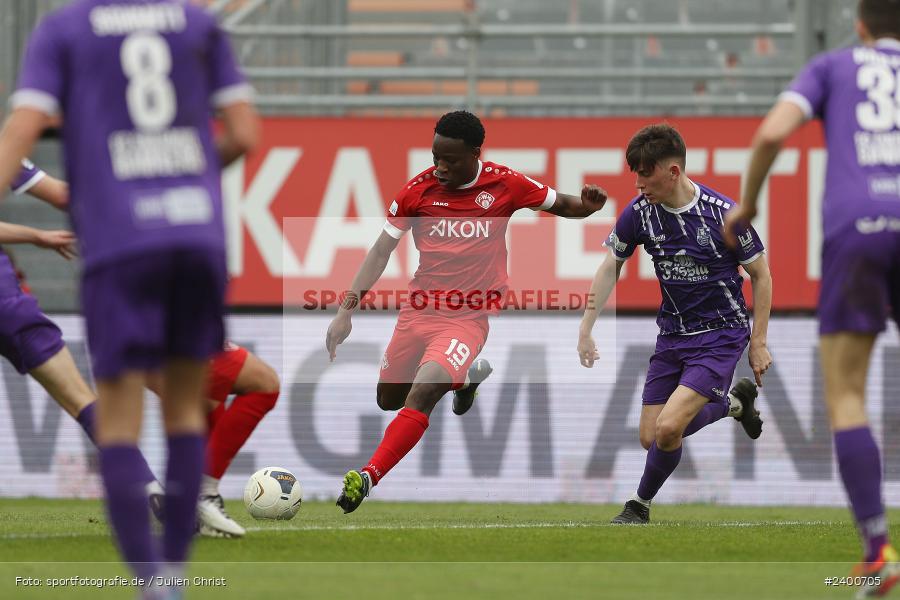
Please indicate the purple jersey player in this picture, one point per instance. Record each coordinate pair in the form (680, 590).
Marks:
(143, 170)
(704, 324)
(856, 93)
(30, 341)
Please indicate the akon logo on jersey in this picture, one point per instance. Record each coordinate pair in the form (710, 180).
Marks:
(453, 228)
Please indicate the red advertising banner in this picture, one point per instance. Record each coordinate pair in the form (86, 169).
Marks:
(304, 209)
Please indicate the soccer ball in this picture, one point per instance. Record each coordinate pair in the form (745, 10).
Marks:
(273, 493)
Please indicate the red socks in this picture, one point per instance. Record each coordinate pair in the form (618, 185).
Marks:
(213, 417)
(401, 435)
(230, 428)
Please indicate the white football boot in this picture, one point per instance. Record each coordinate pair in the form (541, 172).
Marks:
(213, 521)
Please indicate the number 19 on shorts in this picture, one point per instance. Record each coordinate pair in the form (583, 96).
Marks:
(457, 353)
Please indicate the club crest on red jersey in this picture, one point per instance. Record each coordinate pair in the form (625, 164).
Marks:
(484, 200)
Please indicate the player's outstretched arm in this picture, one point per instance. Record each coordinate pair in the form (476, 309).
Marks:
(604, 281)
(51, 190)
(60, 240)
(240, 134)
(784, 118)
(21, 130)
(592, 199)
(761, 280)
(369, 273)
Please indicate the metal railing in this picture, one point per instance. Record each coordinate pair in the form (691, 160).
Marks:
(296, 52)
(595, 81)
(477, 31)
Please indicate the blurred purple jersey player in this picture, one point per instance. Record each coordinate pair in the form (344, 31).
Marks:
(135, 83)
(704, 324)
(856, 93)
(31, 342)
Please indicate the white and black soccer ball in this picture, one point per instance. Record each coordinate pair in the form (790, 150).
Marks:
(273, 493)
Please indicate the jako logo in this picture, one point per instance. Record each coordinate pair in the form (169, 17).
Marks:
(460, 229)
(484, 200)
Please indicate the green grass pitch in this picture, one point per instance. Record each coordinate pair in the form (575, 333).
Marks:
(430, 551)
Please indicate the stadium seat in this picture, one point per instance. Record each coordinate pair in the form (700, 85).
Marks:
(407, 6)
(368, 58)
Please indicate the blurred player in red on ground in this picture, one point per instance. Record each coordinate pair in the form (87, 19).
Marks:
(255, 386)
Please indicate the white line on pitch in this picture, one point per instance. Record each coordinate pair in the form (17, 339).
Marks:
(389, 526)
(530, 525)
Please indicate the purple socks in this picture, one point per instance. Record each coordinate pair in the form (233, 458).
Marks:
(660, 464)
(183, 475)
(126, 505)
(710, 413)
(123, 471)
(87, 419)
(859, 462)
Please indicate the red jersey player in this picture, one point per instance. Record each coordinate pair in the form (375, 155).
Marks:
(255, 385)
(458, 212)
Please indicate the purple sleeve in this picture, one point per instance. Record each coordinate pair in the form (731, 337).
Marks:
(227, 84)
(623, 239)
(809, 89)
(750, 247)
(41, 79)
(28, 175)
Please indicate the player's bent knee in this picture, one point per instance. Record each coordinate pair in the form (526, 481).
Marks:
(647, 441)
(667, 433)
(268, 381)
(258, 377)
(391, 396)
(425, 397)
(388, 404)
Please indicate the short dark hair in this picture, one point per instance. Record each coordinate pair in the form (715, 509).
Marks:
(881, 17)
(461, 125)
(653, 144)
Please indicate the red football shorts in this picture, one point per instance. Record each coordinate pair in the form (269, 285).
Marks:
(421, 337)
(224, 369)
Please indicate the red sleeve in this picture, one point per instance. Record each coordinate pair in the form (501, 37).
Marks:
(528, 193)
(401, 212)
